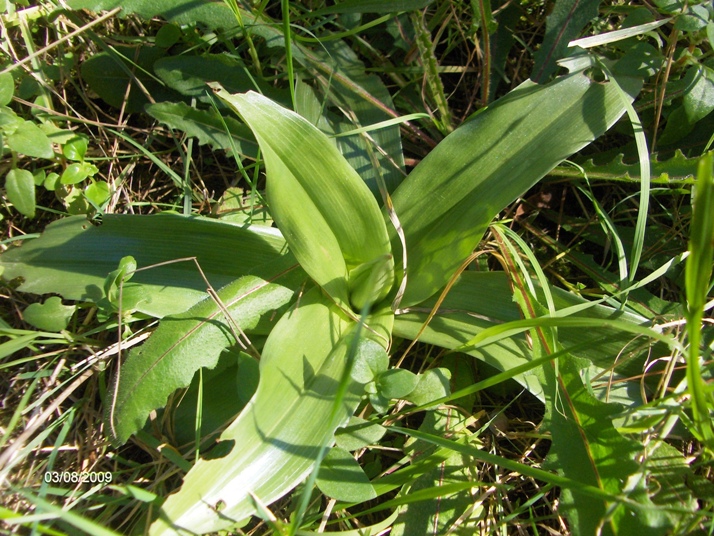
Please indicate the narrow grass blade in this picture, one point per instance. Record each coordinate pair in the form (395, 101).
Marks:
(698, 274)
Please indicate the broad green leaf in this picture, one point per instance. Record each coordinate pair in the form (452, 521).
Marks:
(73, 257)
(167, 36)
(207, 126)
(342, 478)
(447, 202)
(564, 24)
(20, 189)
(350, 87)
(29, 140)
(326, 213)
(76, 173)
(181, 345)
(358, 433)
(480, 300)
(51, 181)
(280, 432)
(9, 120)
(189, 75)
(182, 12)
(585, 446)
(396, 383)
(7, 88)
(433, 384)
(585, 443)
(694, 18)
(75, 149)
(371, 360)
(39, 177)
(51, 315)
(98, 193)
(697, 103)
(227, 389)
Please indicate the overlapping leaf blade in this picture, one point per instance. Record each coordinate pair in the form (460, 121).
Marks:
(447, 202)
(180, 346)
(325, 211)
(480, 300)
(279, 434)
(72, 258)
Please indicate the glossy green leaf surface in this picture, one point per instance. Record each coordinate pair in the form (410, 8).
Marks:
(447, 202)
(181, 345)
(279, 434)
(73, 257)
(29, 140)
(20, 189)
(325, 211)
(51, 315)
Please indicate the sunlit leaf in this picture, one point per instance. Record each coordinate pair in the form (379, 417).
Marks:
(326, 213)
(7, 88)
(51, 315)
(29, 140)
(181, 345)
(73, 257)
(20, 189)
(447, 202)
(280, 432)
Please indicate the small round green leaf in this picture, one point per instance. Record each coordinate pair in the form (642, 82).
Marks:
(167, 36)
(77, 173)
(20, 188)
(396, 383)
(370, 360)
(7, 88)
(75, 149)
(39, 177)
(342, 478)
(73, 199)
(49, 316)
(29, 140)
(433, 384)
(367, 434)
(51, 182)
(98, 193)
